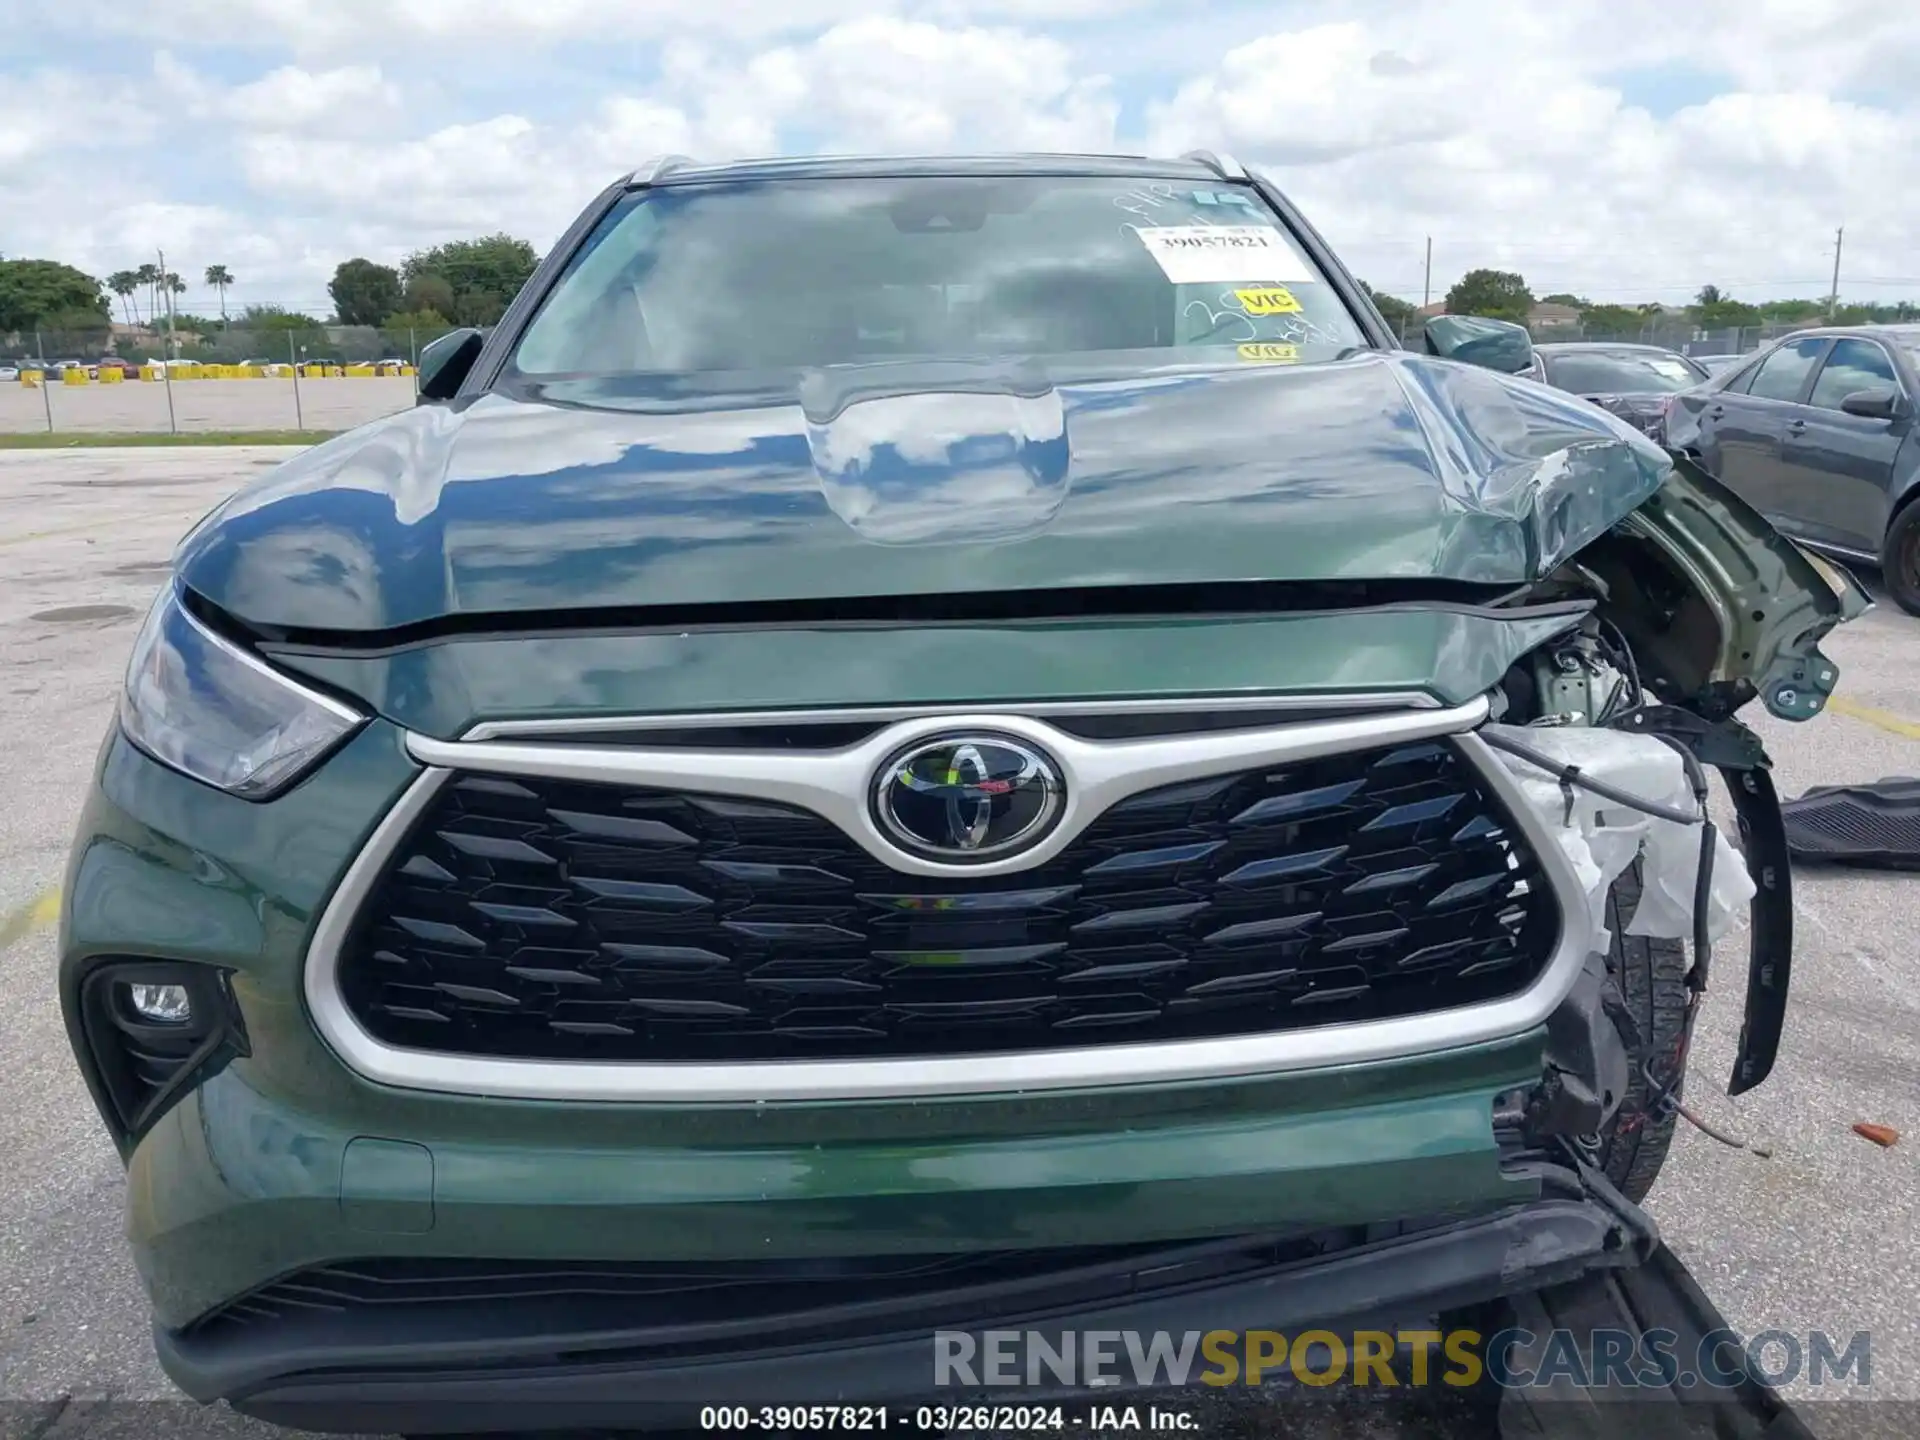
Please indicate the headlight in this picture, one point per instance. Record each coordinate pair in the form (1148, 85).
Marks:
(208, 709)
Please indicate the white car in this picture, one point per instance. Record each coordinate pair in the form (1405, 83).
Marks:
(9, 372)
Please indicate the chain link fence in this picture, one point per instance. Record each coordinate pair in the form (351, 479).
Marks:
(1669, 332)
(319, 378)
(325, 378)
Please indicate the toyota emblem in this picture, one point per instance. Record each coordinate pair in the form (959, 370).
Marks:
(967, 799)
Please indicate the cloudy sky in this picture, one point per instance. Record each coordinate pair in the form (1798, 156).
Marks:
(1627, 150)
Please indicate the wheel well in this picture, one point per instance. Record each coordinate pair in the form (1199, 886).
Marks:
(1905, 503)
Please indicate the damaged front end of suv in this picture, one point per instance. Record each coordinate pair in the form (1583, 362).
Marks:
(1691, 607)
(710, 849)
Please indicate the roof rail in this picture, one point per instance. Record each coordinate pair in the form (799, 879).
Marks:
(1225, 166)
(657, 167)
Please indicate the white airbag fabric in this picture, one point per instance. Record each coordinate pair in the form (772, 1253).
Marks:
(1604, 836)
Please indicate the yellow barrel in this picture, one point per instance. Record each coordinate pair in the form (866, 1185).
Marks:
(111, 375)
(74, 375)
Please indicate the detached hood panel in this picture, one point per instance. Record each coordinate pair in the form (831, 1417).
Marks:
(914, 479)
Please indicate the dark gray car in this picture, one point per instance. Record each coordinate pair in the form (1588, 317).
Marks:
(1634, 382)
(1818, 434)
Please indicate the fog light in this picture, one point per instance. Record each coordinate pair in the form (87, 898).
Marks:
(162, 1004)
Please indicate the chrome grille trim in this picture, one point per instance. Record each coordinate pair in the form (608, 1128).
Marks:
(1116, 769)
(1360, 702)
(835, 783)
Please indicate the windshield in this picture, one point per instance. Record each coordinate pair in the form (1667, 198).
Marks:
(786, 274)
(1621, 373)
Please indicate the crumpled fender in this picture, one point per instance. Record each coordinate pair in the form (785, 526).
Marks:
(1773, 600)
(1773, 603)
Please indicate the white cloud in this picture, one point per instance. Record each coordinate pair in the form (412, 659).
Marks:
(1512, 144)
(875, 84)
(1633, 149)
(384, 28)
(45, 113)
(352, 99)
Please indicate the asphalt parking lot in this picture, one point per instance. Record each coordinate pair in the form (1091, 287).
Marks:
(1818, 1236)
(336, 403)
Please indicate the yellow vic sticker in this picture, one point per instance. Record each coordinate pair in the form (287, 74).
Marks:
(1271, 354)
(1268, 300)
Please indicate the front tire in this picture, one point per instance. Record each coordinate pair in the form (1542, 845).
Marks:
(1900, 558)
(1652, 977)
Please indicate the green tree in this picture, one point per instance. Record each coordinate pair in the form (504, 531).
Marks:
(1496, 294)
(277, 318)
(1395, 311)
(479, 307)
(149, 276)
(427, 292)
(1792, 311)
(404, 333)
(1612, 320)
(124, 283)
(1714, 309)
(484, 275)
(47, 294)
(1561, 297)
(220, 278)
(364, 293)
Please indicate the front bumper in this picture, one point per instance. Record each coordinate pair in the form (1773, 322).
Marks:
(286, 1160)
(483, 1367)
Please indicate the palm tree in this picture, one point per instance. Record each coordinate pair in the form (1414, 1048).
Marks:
(220, 278)
(123, 283)
(149, 276)
(173, 285)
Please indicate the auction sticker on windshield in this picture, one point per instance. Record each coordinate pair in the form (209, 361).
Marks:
(1268, 300)
(1203, 254)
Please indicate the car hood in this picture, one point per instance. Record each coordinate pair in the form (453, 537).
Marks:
(859, 483)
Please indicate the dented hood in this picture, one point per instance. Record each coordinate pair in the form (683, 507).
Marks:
(883, 480)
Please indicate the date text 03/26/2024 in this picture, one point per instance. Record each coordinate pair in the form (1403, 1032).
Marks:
(945, 1419)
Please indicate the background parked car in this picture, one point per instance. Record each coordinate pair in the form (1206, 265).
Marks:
(1634, 382)
(1818, 434)
(127, 368)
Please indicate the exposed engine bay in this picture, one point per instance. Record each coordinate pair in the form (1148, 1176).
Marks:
(1610, 728)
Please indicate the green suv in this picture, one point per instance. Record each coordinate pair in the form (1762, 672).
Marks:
(911, 747)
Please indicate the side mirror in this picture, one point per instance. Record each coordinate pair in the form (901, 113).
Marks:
(1873, 404)
(1475, 340)
(444, 363)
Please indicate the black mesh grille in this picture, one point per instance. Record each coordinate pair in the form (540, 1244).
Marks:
(547, 919)
(643, 1310)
